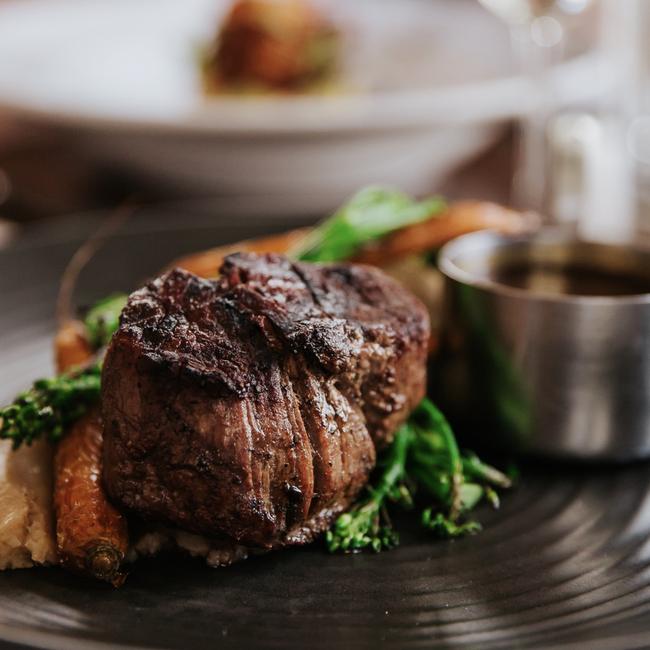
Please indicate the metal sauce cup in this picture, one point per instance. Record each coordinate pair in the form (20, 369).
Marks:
(537, 369)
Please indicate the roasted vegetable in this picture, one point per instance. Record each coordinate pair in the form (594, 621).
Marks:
(52, 405)
(366, 524)
(71, 345)
(206, 263)
(48, 408)
(423, 462)
(407, 228)
(369, 215)
(91, 535)
(103, 319)
(457, 219)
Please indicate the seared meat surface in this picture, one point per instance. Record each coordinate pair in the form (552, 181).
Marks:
(248, 408)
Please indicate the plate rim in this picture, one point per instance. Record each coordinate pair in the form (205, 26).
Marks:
(488, 100)
(381, 111)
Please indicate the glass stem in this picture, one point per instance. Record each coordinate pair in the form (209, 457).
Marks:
(530, 188)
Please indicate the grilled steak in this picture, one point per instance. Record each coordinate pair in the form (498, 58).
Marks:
(249, 407)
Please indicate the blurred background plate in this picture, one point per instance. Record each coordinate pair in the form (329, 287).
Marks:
(419, 96)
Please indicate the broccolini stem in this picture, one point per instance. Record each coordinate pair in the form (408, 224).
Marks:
(50, 406)
(424, 455)
(394, 465)
(434, 420)
(361, 527)
(475, 468)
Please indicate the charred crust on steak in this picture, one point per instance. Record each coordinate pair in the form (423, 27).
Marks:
(249, 407)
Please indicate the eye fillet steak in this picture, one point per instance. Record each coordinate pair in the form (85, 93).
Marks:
(249, 408)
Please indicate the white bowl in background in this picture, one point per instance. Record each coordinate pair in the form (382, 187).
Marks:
(427, 85)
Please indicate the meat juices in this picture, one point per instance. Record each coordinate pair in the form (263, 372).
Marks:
(248, 408)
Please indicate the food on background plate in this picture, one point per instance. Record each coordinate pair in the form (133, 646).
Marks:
(246, 412)
(271, 46)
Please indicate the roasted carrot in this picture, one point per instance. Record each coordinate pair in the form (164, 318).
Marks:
(91, 534)
(71, 346)
(459, 218)
(206, 263)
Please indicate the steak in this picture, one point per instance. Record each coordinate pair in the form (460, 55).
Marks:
(248, 408)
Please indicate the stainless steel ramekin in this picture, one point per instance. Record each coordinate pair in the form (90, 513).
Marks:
(562, 375)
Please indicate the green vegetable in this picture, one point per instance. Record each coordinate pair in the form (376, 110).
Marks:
(103, 319)
(423, 459)
(366, 525)
(370, 214)
(445, 528)
(50, 406)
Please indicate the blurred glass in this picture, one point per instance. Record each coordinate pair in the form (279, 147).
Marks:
(588, 166)
(538, 33)
(637, 136)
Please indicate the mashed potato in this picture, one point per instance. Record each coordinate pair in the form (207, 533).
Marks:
(26, 517)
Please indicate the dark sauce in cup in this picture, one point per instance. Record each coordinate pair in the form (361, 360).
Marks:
(572, 280)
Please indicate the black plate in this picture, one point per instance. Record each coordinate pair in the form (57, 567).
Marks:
(565, 563)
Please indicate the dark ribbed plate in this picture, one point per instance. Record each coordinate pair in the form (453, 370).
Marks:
(565, 563)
